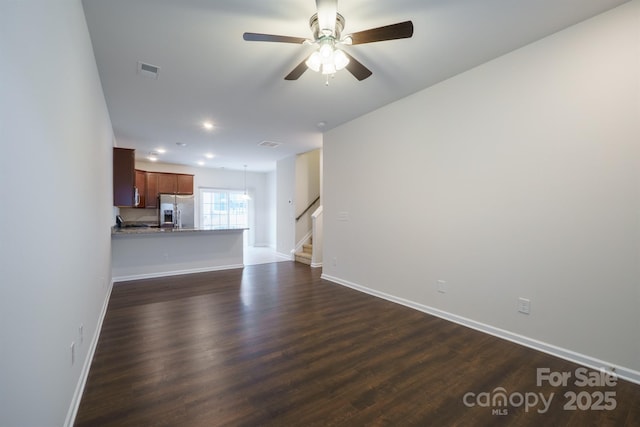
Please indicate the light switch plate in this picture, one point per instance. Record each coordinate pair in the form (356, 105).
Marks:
(524, 305)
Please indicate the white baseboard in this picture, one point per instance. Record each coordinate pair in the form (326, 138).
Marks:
(563, 353)
(289, 256)
(316, 264)
(175, 273)
(262, 245)
(86, 367)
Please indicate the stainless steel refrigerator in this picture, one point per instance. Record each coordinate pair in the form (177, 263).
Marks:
(176, 211)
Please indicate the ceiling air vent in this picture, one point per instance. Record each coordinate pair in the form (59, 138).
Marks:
(148, 70)
(269, 144)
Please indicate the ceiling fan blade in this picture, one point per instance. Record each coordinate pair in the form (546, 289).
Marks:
(257, 37)
(327, 12)
(356, 68)
(401, 30)
(297, 72)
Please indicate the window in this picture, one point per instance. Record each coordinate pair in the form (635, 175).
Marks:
(223, 209)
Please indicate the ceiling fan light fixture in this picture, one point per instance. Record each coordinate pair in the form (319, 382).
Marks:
(326, 49)
(340, 59)
(315, 61)
(329, 68)
(327, 59)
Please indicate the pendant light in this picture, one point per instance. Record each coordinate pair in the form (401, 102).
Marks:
(245, 196)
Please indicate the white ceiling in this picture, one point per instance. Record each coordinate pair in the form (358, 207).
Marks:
(208, 72)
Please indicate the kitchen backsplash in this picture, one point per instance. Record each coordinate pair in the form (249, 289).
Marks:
(139, 215)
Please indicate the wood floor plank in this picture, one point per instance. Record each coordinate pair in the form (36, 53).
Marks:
(276, 345)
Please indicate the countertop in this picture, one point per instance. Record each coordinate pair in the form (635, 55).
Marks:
(161, 230)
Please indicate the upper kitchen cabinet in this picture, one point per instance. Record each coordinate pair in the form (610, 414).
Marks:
(151, 190)
(175, 183)
(141, 185)
(124, 178)
(167, 183)
(185, 184)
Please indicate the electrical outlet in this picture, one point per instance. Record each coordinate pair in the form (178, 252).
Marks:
(441, 286)
(73, 353)
(81, 333)
(524, 305)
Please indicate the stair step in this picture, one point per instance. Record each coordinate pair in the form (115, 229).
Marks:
(303, 257)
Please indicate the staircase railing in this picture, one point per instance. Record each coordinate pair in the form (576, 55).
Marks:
(307, 209)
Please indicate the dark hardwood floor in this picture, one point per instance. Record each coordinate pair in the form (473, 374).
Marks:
(273, 344)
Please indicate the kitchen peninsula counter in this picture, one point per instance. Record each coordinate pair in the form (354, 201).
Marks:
(115, 231)
(147, 252)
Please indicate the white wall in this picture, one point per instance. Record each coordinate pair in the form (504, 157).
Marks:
(272, 225)
(520, 178)
(259, 187)
(285, 207)
(57, 191)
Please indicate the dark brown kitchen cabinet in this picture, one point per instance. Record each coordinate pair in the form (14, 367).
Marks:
(141, 185)
(151, 193)
(175, 183)
(167, 183)
(127, 179)
(150, 184)
(185, 184)
(124, 179)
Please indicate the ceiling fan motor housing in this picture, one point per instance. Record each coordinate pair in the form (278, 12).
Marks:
(317, 31)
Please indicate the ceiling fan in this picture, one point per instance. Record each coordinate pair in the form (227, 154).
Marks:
(327, 25)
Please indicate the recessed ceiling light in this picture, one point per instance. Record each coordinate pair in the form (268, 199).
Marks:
(209, 156)
(152, 158)
(200, 163)
(161, 150)
(207, 125)
(321, 124)
(181, 144)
